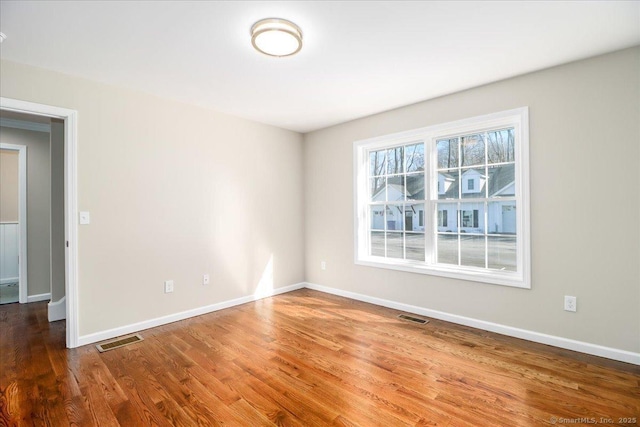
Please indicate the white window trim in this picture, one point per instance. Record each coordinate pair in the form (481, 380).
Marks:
(519, 119)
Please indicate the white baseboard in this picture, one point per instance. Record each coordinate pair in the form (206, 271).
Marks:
(566, 343)
(159, 321)
(39, 297)
(9, 280)
(57, 310)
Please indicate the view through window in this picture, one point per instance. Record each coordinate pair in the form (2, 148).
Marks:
(447, 200)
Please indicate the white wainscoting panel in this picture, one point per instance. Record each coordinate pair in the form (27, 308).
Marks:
(9, 234)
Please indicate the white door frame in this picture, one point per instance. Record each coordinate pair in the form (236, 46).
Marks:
(70, 118)
(22, 218)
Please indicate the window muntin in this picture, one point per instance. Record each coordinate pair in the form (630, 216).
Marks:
(447, 200)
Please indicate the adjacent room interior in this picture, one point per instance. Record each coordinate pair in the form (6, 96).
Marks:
(399, 213)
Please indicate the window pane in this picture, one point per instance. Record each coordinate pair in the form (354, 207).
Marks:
(447, 153)
(448, 184)
(377, 243)
(377, 217)
(395, 188)
(395, 157)
(447, 217)
(378, 187)
(395, 243)
(501, 146)
(474, 183)
(377, 162)
(472, 150)
(414, 155)
(415, 187)
(414, 217)
(502, 217)
(415, 246)
(472, 251)
(472, 218)
(502, 180)
(502, 253)
(395, 217)
(447, 249)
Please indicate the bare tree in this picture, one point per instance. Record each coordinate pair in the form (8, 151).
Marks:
(501, 146)
(378, 164)
(414, 158)
(448, 153)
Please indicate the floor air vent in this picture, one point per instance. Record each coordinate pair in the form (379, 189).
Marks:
(118, 342)
(412, 319)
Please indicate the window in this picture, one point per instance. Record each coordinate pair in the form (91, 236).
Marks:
(448, 200)
(442, 218)
(470, 219)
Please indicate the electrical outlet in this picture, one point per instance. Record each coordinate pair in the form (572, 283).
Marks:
(323, 265)
(168, 286)
(570, 303)
(205, 279)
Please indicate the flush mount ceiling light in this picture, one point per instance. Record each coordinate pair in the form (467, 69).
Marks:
(276, 37)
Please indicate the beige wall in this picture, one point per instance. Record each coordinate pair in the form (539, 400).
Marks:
(57, 210)
(174, 191)
(38, 205)
(8, 186)
(585, 204)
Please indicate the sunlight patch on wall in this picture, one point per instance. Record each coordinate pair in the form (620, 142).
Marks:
(265, 285)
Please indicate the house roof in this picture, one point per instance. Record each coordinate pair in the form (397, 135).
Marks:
(414, 188)
(500, 177)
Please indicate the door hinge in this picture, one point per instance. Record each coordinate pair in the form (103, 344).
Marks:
(67, 243)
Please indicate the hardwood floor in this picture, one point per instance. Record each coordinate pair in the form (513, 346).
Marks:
(304, 359)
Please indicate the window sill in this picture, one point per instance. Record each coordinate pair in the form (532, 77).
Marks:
(511, 279)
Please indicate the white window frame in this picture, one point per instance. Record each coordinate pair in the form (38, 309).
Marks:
(516, 118)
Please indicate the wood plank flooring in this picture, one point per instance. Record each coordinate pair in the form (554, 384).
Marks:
(304, 359)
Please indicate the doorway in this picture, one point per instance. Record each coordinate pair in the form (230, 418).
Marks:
(13, 219)
(408, 220)
(69, 118)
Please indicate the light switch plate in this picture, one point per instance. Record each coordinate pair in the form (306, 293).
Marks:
(85, 218)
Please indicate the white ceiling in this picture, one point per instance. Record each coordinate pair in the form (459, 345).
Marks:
(359, 57)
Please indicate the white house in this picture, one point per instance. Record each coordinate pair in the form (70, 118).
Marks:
(501, 214)
(408, 216)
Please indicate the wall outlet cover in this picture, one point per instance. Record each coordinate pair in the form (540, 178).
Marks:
(168, 286)
(570, 303)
